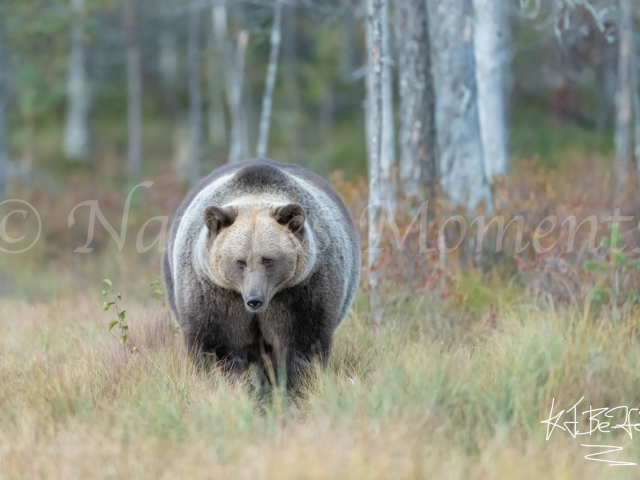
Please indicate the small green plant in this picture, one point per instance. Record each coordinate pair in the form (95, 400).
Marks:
(157, 289)
(121, 314)
(612, 274)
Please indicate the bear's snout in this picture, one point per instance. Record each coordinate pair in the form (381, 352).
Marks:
(254, 302)
(255, 289)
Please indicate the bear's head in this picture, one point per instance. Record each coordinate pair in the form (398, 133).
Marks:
(258, 250)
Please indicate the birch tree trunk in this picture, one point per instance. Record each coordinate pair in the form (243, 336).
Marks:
(635, 94)
(216, 124)
(292, 81)
(168, 68)
(238, 149)
(76, 132)
(607, 79)
(195, 102)
(348, 49)
(4, 158)
(490, 35)
(623, 95)
(270, 82)
(234, 79)
(325, 121)
(387, 146)
(461, 168)
(168, 59)
(417, 109)
(134, 87)
(375, 132)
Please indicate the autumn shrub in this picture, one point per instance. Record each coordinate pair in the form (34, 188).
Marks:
(575, 262)
(553, 236)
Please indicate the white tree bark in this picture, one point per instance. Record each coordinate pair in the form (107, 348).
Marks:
(216, 124)
(623, 95)
(417, 133)
(375, 134)
(134, 87)
(270, 81)
(387, 146)
(238, 149)
(234, 80)
(326, 120)
(195, 102)
(292, 81)
(607, 79)
(168, 58)
(491, 55)
(168, 67)
(635, 93)
(461, 168)
(348, 57)
(4, 158)
(76, 132)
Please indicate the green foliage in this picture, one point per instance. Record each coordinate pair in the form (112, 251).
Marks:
(611, 272)
(121, 315)
(157, 293)
(536, 133)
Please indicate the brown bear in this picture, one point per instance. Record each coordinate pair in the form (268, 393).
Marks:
(261, 265)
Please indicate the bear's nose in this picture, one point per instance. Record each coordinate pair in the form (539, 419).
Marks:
(255, 302)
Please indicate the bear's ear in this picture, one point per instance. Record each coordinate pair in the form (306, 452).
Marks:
(216, 218)
(291, 215)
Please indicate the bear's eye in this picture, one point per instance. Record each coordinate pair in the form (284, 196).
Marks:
(241, 263)
(267, 262)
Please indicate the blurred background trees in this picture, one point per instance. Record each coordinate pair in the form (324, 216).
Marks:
(74, 67)
(188, 81)
(76, 132)
(417, 131)
(492, 52)
(134, 87)
(3, 138)
(461, 156)
(466, 90)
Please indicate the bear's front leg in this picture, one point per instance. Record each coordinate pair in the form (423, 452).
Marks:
(206, 352)
(300, 359)
(286, 363)
(299, 332)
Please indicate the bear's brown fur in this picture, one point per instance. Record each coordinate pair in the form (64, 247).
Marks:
(262, 261)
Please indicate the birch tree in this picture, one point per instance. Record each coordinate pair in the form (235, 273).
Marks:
(635, 95)
(461, 169)
(417, 133)
(491, 55)
(387, 142)
(134, 88)
(623, 95)
(4, 159)
(239, 143)
(348, 57)
(375, 132)
(76, 131)
(326, 119)
(291, 66)
(216, 124)
(270, 81)
(195, 103)
(234, 80)
(168, 67)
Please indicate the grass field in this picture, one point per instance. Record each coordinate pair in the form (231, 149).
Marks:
(434, 394)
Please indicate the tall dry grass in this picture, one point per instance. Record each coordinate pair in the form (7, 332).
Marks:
(432, 396)
(454, 385)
